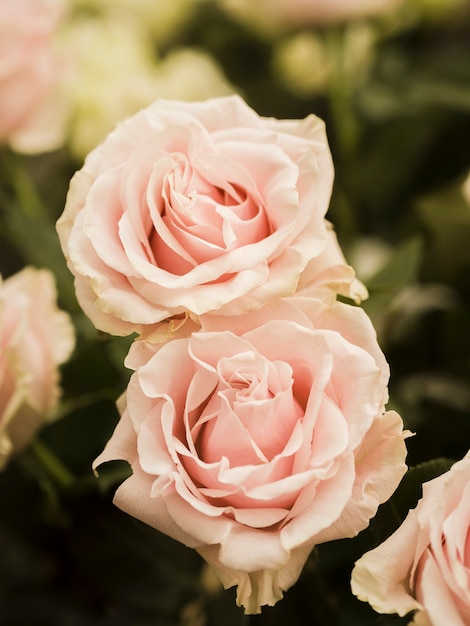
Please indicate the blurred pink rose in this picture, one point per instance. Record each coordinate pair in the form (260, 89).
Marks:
(35, 338)
(30, 110)
(306, 11)
(425, 565)
(258, 437)
(195, 207)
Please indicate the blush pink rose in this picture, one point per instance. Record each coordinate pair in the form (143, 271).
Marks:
(258, 437)
(35, 338)
(195, 207)
(425, 565)
(30, 70)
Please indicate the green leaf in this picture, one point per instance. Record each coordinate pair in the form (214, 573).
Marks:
(36, 240)
(392, 513)
(397, 273)
(446, 217)
(409, 95)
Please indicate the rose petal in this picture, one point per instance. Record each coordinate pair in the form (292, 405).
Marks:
(382, 577)
(258, 588)
(435, 595)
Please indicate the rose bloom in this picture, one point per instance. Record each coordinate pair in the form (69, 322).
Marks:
(195, 207)
(425, 565)
(258, 437)
(35, 338)
(32, 114)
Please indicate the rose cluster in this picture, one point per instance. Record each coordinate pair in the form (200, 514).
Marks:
(254, 421)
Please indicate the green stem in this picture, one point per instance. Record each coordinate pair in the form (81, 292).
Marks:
(83, 401)
(52, 464)
(245, 619)
(22, 185)
(340, 93)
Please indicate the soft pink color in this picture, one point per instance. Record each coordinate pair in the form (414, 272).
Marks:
(194, 208)
(258, 437)
(30, 108)
(35, 338)
(425, 565)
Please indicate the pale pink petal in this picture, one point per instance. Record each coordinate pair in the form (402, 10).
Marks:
(380, 465)
(319, 505)
(382, 576)
(133, 497)
(251, 550)
(122, 445)
(436, 596)
(259, 588)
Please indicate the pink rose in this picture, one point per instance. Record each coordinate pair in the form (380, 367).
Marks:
(258, 437)
(35, 337)
(195, 207)
(425, 565)
(30, 109)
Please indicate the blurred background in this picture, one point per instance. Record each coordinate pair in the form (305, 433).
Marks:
(391, 79)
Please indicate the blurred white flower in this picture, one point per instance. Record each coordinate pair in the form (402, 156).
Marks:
(164, 19)
(191, 74)
(112, 76)
(304, 63)
(116, 71)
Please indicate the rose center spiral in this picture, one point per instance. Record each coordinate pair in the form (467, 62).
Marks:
(250, 415)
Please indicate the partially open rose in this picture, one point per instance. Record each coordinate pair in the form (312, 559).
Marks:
(425, 565)
(35, 338)
(259, 436)
(195, 207)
